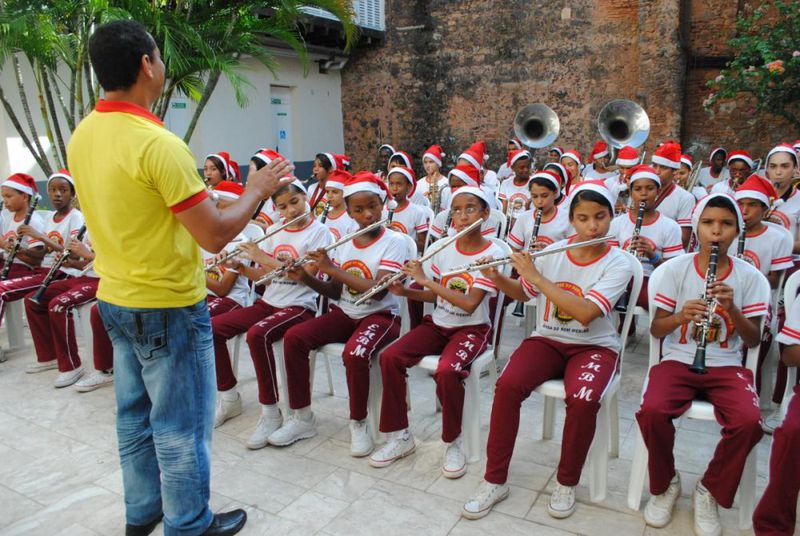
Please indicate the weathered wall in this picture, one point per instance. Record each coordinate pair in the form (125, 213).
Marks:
(452, 72)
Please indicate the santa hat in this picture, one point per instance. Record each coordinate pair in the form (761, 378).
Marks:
(598, 187)
(517, 143)
(267, 155)
(387, 147)
(337, 179)
(229, 190)
(599, 150)
(627, 157)
(299, 185)
(224, 158)
(668, 155)
(409, 174)
(365, 181)
(716, 150)
(783, 148)
(344, 159)
(61, 174)
(549, 176)
(701, 205)
(796, 145)
(559, 150)
(744, 156)
(334, 159)
(467, 173)
(560, 170)
(757, 187)
(475, 155)
(644, 172)
(435, 153)
(402, 155)
(21, 182)
(513, 156)
(687, 161)
(572, 154)
(474, 190)
(234, 171)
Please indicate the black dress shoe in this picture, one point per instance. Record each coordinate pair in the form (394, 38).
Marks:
(227, 523)
(142, 530)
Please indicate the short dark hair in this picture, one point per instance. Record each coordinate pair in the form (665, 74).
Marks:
(293, 188)
(588, 195)
(116, 51)
(324, 161)
(725, 203)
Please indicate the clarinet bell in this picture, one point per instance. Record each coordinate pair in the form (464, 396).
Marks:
(519, 310)
(698, 366)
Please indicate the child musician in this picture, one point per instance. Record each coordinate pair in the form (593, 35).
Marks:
(514, 191)
(571, 160)
(504, 171)
(575, 339)
(740, 166)
(775, 514)
(599, 159)
(740, 303)
(682, 178)
(403, 159)
(716, 171)
(408, 218)
(286, 302)
(459, 330)
(554, 226)
(459, 176)
(782, 166)
(324, 165)
(17, 191)
(217, 168)
(673, 201)
(356, 267)
(268, 214)
(432, 163)
(338, 220)
(475, 157)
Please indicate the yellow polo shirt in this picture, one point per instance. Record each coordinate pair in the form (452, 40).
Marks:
(132, 176)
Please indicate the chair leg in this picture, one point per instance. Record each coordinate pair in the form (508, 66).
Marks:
(237, 347)
(767, 375)
(15, 325)
(493, 375)
(471, 420)
(312, 367)
(375, 394)
(747, 492)
(330, 374)
(638, 472)
(549, 418)
(598, 457)
(280, 369)
(613, 415)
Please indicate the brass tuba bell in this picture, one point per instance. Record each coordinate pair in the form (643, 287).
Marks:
(623, 122)
(536, 125)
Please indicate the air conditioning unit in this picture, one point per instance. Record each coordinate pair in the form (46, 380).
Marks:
(369, 14)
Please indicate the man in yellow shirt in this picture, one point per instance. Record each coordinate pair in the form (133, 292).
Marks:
(147, 210)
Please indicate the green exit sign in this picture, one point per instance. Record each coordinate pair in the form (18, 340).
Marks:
(178, 105)
(276, 100)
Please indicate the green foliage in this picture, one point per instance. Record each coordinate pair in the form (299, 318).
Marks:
(766, 62)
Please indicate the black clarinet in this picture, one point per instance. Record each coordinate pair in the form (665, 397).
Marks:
(622, 304)
(18, 242)
(519, 308)
(740, 245)
(698, 366)
(59, 262)
(324, 217)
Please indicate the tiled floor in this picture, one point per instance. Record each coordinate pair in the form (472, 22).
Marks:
(59, 471)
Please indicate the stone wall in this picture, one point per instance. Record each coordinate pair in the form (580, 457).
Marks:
(453, 71)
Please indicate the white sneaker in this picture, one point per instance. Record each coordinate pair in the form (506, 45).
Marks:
(658, 511)
(294, 429)
(455, 461)
(65, 379)
(41, 366)
(486, 496)
(94, 381)
(360, 439)
(400, 445)
(562, 502)
(267, 424)
(770, 423)
(706, 513)
(227, 409)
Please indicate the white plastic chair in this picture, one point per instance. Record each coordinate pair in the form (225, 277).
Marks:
(84, 325)
(700, 410)
(15, 325)
(769, 365)
(606, 436)
(470, 421)
(789, 297)
(501, 222)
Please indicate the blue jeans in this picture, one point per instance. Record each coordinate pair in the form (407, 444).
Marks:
(165, 387)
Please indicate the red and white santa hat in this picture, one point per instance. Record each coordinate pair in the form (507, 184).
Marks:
(716, 150)
(644, 172)
(549, 176)
(599, 150)
(334, 159)
(435, 153)
(701, 206)
(224, 158)
(782, 148)
(759, 188)
(62, 174)
(558, 150)
(402, 155)
(299, 185)
(337, 179)
(573, 155)
(744, 156)
(267, 155)
(513, 156)
(477, 191)
(668, 155)
(366, 181)
(229, 190)
(517, 143)
(234, 171)
(627, 157)
(687, 161)
(21, 182)
(796, 145)
(408, 173)
(344, 159)
(475, 155)
(597, 187)
(467, 173)
(387, 147)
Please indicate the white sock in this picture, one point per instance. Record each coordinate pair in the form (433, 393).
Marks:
(304, 414)
(230, 395)
(403, 434)
(270, 410)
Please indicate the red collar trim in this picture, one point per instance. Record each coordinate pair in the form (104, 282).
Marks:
(55, 216)
(365, 246)
(644, 224)
(105, 106)
(472, 253)
(702, 274)
(763, 230)
(303, 228)
(555, 213)
(578, 263)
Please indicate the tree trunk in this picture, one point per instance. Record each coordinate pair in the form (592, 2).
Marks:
(40, 155)
(70, 119)
(48, 94)
(213, 79)
(87, 73)
(18, 127)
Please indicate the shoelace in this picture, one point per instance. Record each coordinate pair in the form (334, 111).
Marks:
(561, 493)
(707, 504)
(486, 490)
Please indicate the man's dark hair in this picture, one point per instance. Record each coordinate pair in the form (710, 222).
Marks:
(116, 51)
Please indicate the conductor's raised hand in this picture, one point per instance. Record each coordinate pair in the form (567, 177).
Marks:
(267, 180)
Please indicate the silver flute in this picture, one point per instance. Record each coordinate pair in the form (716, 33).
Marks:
(433, 250)
(506, 260)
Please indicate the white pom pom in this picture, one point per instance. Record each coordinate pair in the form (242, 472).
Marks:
(392, 205)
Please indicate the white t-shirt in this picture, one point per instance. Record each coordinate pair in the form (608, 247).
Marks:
(447, 196)
(591, 174)
(790, 333)
(723, 187)
(341, 225)
(705, 178)
(490, 182)
(294, 244)
(699, 192)
(446, 314)
(240, 291)
(517, 196)
(489, 226)
(61, 232)
(787, 213)
(769, 250)
(387, 252)
(603, 282)
(682, 281)
(678, 205)
(663, 235)
(10, 226)
(411, 219)
(554, 229)
(423, 187)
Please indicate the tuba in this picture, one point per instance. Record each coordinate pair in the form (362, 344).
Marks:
(623, 122)
(536, 125)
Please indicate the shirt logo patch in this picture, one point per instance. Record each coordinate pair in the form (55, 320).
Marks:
(359, 269)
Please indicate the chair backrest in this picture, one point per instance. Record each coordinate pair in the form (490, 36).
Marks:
(637, 278)
(252, 231)
(411, 253)
(789, 297)
(499, 309)
(502, 223)
(777, 294)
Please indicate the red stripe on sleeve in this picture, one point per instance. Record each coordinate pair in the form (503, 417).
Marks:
(189, 202)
